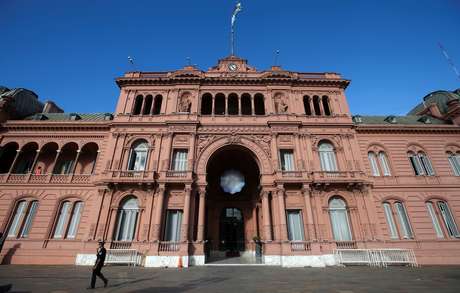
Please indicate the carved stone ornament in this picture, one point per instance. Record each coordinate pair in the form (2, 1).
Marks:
(281, 105)
(184, 104)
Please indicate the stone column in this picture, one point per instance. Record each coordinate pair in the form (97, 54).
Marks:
(32, 167)
(201, 214)
(309, 213)
(74, 167)
(18, 152)
(226, 105)
(312, 108)
(185, 222)
(239, 105)
(213, 105)
(321, 108)
(282, 213)
(158, 212)
(266, 215)
(253, 109)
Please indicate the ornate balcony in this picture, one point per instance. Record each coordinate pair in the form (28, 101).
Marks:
(300, 246)
(46, 178)
(128, 176)
(338, 177)
(292, 176)
(177, 176)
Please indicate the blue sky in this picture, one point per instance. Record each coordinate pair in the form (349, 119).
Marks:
(71, 51)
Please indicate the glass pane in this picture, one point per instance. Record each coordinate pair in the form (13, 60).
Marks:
(180, 160)
(434, 219)
(295, 227)
(426, 163)
(173, 223)
(29, 218)
(340, 227)
(384, 164)
(448, 219)
(287, 160)
(74, 220)
(390, 221)
(62, 218)
(454, 164)
(404, 220)
(373, 163)
(416, 165)
(18, 216)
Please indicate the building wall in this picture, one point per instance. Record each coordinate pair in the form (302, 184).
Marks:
(158, 188)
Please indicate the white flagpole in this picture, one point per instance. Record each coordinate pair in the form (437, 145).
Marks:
(238, 8)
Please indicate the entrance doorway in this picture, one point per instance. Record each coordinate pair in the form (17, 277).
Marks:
(232, 202)
(231, 232)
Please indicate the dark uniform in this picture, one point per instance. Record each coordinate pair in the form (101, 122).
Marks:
(100, 258)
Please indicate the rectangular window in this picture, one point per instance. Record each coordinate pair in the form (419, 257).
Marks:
(179, 162)
(62, 219)
(72, 232)
(173, 225)
(373, 162)
(434, 219)
(295, 226)
(416, 165)
(455, 164)
(287, 160)
(426, 164)
(384, 164)
(29, 218)
(404, 220)
(327, 161)
(448, 219)
(390, 221)
(18, 217)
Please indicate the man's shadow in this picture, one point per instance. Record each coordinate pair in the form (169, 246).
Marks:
(9, 255)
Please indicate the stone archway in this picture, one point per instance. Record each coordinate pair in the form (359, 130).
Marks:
(232, 203)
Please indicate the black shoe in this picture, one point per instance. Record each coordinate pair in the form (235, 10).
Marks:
(105, 283)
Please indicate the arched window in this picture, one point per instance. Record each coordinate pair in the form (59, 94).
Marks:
(219, 107)
(138, 105)
(127, 219)
(157, 104)
(421, 164)
(206, 104)
(246, 107)
(339, 220)
(327, 157)
(316, 106)
(384, 164)
(25, 159)
(68, 220)
(22, 218)
(373, 162)
(306, 105)
(259, 104)
(327, 109)
(147, 105)
(66, 159)
(138, 156)
(454, 161)
(394, 208)
(7, 155)
(439, 209)
(232, 104)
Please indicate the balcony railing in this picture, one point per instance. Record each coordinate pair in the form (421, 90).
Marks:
(337, 175)
(128, 176)
(45, 178)
(173, 173)
(166, 246)
(346, 245)
(300, 246)
(291, 174)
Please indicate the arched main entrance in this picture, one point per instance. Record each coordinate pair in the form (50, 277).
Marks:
(232, 203)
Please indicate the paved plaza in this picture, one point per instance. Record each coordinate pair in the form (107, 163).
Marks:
(238, 279)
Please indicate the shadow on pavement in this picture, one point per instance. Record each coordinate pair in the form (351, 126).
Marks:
(183, 288)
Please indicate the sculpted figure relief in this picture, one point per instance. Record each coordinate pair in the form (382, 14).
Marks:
(185, 104)
(281, 105)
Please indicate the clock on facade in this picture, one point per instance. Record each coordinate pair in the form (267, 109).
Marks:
(232, 66)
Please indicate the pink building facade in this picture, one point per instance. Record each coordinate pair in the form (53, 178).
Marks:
(200, 165)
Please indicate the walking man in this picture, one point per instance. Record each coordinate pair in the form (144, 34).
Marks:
(100, 258)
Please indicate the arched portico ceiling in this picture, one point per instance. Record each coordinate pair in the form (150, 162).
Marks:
(257, 145)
